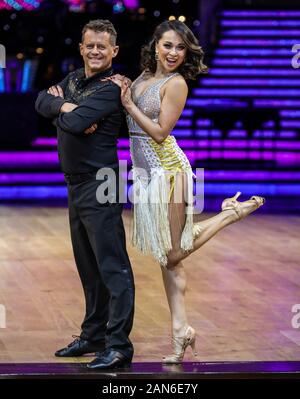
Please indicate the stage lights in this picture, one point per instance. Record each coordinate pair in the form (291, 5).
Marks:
(131, 3)
(20, 4)
(2, 56)
(118, 7)
(181, 18)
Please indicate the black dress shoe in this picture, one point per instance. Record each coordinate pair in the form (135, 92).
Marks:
(110, 359)
(80, 347)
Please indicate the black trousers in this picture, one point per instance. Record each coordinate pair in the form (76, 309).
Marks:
(98, 240)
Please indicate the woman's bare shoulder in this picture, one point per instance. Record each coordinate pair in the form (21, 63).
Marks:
(177, 83)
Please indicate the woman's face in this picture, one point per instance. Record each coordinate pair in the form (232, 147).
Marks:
(171, 51)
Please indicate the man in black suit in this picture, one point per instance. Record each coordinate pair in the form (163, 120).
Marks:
(87, 112)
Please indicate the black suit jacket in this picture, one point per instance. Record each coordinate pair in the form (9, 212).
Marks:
(98, 102)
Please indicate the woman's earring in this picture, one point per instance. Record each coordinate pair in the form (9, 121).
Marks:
(156, 56)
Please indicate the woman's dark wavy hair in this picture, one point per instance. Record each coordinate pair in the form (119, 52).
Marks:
(193, 64)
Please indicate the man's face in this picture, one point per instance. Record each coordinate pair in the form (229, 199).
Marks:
(97, 51)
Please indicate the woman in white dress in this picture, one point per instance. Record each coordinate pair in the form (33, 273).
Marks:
(163, 203)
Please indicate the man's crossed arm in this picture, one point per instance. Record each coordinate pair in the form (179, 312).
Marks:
(66, 107)
(82, 118)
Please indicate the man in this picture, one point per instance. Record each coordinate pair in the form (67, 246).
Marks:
(86, 110)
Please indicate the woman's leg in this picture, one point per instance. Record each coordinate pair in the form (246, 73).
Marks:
(208, 229)
(175, 285)
(174, 277)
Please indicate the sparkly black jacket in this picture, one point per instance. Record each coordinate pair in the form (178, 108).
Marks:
(98, 102)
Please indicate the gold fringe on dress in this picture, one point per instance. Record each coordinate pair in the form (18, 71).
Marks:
(151, 230)
(187, 237)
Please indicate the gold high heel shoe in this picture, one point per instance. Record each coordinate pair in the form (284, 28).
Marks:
(226, 204)
(242, 209)
(197, 228)
(180, 344)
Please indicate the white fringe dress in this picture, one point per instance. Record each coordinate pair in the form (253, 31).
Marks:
(154, 171)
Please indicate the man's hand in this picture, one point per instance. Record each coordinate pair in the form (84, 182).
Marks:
(56, 91)
(91, 129)
(68, 107)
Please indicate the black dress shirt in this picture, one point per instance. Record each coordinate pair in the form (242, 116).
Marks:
(98, 102)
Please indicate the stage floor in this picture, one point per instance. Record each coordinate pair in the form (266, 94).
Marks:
(242, 286)
(188, 370)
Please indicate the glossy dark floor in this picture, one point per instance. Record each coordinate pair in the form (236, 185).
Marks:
(155, 370)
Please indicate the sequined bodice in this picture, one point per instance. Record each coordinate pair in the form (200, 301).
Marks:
(146, 154)
(148, 102)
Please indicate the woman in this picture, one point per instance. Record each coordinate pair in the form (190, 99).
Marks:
(163, 219)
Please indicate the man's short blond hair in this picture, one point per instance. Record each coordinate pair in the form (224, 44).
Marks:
(101, 25)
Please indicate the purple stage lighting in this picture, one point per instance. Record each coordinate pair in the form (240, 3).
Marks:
(131, 3)
(295, 124)
(261, 32)
(260, 22)
(252, 62)
(254, 72)
(195, 102)
(288, 113)
(258, 42)
(250, 82)
(242, 52)
(184, 122)
(247, 92)
(276, 103)
(261, 13)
